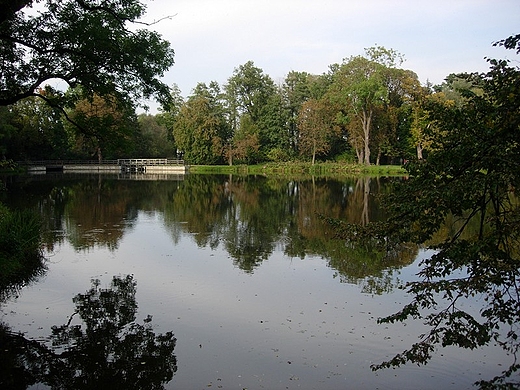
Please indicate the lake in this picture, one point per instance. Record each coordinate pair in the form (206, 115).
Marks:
(242, 270)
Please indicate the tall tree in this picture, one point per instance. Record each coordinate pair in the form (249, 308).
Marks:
(364, 87)
(274, 131)
(250, 92)
(168, 115)
(392, 119)
(316, 128)
(201, 130)
(296, 91)
(250, 88)
(359, 89)
(103, 127)
(91, 43)
(471, 176)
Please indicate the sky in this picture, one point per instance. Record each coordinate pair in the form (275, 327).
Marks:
(211, 38)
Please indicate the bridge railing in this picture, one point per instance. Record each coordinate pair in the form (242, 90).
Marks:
(149, 161)
(130, 161)
(66, 162)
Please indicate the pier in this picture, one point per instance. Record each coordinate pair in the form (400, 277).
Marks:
(132, 165)
(151, 165)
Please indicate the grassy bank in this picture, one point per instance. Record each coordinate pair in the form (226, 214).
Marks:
(322, 169)
(20, 254)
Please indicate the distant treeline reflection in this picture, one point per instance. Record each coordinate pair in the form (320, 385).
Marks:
(249, 216)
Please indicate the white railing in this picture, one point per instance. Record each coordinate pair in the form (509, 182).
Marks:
(67, 162)
(149, 161)
(126, 162)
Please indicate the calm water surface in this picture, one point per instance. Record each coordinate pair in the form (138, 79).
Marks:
(252, 284)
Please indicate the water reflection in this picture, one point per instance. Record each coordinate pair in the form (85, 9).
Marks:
(31, 271)
(249, 216)
(108, 348)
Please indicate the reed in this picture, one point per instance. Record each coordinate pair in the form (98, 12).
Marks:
(299, 168)
(21, 257)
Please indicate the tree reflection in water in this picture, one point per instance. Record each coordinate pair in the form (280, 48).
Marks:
(108, 350)
(250, 217)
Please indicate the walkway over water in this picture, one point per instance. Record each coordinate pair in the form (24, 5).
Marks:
(131, 165)
(149, 164)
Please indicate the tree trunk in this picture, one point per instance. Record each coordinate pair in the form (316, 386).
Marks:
(419, 152)
(99, 155)
(313, 151)
(366, 122)
(359, 154)
(230, 155)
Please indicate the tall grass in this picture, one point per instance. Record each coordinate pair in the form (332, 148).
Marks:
(21, 257)
(298, 168)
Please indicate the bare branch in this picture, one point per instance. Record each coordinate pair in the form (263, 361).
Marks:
(169, 17)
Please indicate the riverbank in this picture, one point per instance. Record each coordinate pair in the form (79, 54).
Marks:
(322, 169)
(21, 258)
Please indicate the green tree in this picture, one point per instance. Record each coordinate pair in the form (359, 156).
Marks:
(316, 128)
(90, 43)
(452, 92)
(32, 130)
(470, 175)
(391, 129)
(246, 142)
(251, 93)
(275, 138)
(103, 127)
(200, 129)
(154, 140)
(358, 90)
(250, 89)
(418, 128)
(367, 91)
(296, 91)
(299, 87)
(169, 114)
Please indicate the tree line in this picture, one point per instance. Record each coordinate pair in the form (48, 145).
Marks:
(365, 110)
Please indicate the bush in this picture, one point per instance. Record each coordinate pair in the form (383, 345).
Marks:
(348, 157)
(279, 155)
(20, 253)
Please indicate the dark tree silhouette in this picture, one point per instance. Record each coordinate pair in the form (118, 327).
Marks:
(108, 350)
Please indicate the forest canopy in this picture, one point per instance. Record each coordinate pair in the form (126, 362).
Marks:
(89, 43)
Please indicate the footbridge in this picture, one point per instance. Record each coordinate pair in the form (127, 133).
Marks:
(131, 165)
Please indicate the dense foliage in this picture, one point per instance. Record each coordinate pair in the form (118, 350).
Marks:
(365, 109)
(48, 42)
(93, 50)
(21, 258)
(360, 110)
(462, 201)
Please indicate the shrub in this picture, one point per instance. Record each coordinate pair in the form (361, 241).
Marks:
(21, 257)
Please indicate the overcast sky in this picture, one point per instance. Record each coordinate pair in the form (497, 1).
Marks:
(437, 37)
